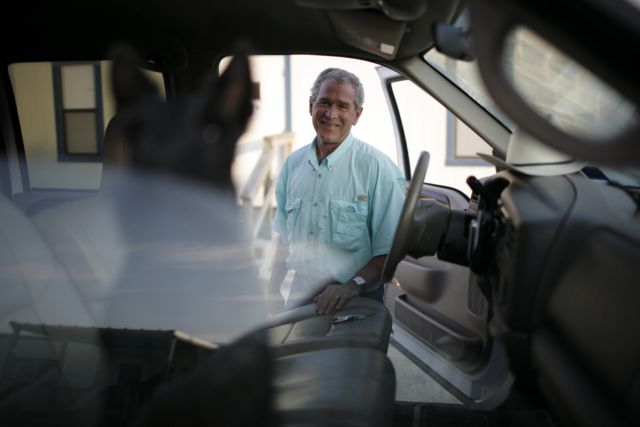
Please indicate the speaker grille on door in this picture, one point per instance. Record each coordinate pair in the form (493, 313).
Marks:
(476, 301)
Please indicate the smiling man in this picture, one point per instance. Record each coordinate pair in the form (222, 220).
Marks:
(339, 200)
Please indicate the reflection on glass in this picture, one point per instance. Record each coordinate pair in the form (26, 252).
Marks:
(555, 86)
(466, 76)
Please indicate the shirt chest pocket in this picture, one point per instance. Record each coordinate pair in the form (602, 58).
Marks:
(292, 207)
(348, 224)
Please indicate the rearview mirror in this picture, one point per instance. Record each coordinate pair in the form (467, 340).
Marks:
(586, 40)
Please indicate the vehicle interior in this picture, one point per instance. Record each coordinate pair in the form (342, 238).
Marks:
(132, 288)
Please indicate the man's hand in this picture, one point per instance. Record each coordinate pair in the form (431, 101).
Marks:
(334, 297)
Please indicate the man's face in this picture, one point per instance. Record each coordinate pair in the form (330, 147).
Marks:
(333, 111)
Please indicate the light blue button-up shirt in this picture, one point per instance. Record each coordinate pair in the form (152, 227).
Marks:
(336, 216)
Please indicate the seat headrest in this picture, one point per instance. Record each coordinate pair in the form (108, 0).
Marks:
(116, 152)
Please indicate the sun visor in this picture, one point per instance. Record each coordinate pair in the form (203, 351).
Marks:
(369, 31)
(400, 10)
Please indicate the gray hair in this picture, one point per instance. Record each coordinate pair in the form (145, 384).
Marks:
(339, 76)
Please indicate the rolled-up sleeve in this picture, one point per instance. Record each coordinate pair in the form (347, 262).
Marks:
(388, 198)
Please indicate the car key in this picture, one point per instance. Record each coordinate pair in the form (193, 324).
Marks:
(342, 318)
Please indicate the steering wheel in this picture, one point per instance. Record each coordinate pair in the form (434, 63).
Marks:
(408, 228)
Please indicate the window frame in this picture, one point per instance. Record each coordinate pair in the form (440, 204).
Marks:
(63, 154)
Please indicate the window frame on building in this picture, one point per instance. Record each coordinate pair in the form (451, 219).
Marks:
(62, 113)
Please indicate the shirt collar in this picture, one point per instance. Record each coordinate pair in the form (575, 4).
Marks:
(332, 158)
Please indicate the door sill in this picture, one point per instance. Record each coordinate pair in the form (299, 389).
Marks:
(485, 389)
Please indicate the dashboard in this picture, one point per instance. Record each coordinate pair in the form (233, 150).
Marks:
(559, 260)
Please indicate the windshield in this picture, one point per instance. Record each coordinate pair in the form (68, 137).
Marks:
(466, 76)
(555, 86)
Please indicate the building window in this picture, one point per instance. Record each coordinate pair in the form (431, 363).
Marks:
(463, 144)
(78, 102)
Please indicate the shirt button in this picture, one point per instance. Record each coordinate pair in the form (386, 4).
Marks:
(311, 233)
(315, 204)
(319, 175)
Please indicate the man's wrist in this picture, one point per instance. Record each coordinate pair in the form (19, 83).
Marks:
(357, 283)
(355, 289)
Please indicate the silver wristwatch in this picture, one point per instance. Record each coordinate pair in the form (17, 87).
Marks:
(358, 280)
